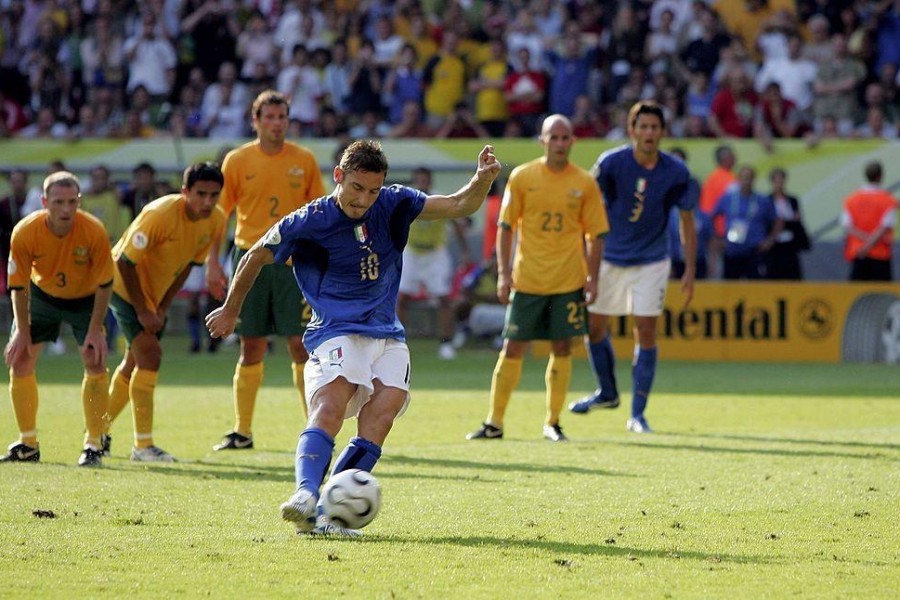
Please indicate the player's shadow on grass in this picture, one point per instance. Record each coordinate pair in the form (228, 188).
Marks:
(200, 469)
(783, 440)
(445, 463)
(760, 451)
(573, 549)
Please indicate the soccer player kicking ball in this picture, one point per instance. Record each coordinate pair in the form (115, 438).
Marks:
(346, 250)
(640, 185)
(60, 270)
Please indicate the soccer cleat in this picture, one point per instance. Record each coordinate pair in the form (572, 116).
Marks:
(554, 433)
(446, 351)
(106, 444)
(486, 432)
(324, 526)
(588, 403)
(638, 425)
(300, 509)
(235, 441)
(151, 454)
(19, 452)
(90, 457)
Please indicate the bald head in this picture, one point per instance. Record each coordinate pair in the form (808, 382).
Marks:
(558, 121)
(557, 140)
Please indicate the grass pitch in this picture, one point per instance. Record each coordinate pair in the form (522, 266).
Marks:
(761, 481)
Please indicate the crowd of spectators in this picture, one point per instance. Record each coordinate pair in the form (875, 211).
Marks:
(768, 69)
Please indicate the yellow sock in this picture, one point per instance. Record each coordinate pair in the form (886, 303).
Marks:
(300, 384)
(118, 396)
(24, 394)
(94, 399)
(247, 379)
(558, 377)
(506, 377)
(143, 384)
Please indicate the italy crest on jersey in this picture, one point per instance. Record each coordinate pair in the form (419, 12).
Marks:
(362, 233)
(640, 185)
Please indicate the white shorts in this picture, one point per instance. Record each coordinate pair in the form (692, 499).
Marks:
(432, 271)
(196, 281)
(360, 360)
(487, 319)
(638, 290)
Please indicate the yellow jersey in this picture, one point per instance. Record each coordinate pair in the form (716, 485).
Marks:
(264, 188)
(112, 213)
(68, 267)
(447, 86)
(426, 236)
(161, 242)
(552, 213)
(490, 105)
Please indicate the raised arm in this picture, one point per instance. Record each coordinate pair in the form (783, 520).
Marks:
(468, 198)
(222, 321)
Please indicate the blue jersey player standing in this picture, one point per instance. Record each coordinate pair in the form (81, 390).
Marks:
(347, 252)
(640, 185)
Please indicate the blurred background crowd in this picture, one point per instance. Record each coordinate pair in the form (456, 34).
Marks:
(812, 69)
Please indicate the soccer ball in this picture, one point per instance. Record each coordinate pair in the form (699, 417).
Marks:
(351, 498)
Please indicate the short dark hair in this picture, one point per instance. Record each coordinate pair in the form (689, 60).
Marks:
(364, 155)
(874, 172)
(100, 167)
(679, 152)
(748, 168)
(143, 166)
(646, 107)
(203, 171)
(267, 98)
(721, 151)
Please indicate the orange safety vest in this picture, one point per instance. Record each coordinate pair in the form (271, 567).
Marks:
(866, 208)
(714, 188)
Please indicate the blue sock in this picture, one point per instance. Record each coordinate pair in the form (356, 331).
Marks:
(603, 361)
(314, 450)
(642, 373)
(360, 453)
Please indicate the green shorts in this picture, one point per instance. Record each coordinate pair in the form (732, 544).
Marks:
(274, 304)
(127, 319)
(49, 313)
(539, 317)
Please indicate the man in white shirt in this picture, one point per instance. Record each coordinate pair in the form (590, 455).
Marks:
(300, 82)
(795, 75)
(151, 59)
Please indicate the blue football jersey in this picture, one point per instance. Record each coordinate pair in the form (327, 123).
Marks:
(348, 270)
(638, 202)
(703, 226)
